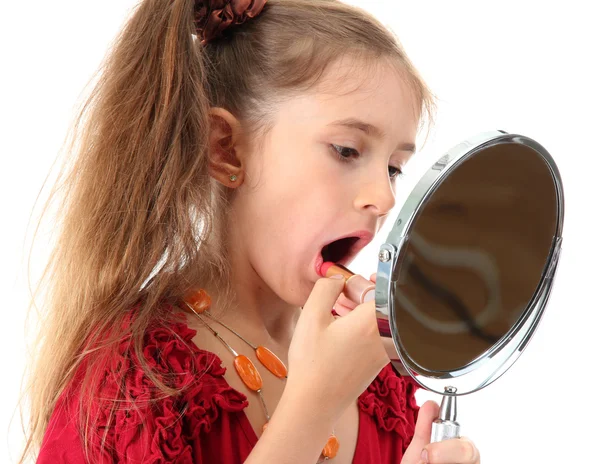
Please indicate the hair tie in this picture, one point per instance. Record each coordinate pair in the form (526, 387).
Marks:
(212, 17)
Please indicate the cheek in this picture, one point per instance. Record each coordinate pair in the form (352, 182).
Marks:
(292, 197)
(288, 217)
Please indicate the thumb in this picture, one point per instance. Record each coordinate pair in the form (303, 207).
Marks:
(427, 414)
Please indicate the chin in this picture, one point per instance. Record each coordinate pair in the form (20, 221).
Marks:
(299, 297)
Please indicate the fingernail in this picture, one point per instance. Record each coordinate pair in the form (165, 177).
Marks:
(337, 276)
(424, 456)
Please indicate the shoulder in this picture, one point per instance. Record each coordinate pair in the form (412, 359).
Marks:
(131, 418)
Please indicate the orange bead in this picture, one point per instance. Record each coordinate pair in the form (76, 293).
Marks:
(331, 447)
(271, 362)
(265, 427)
(247, 372)
(199, 300)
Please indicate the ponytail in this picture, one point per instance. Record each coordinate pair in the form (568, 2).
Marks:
(130, 204)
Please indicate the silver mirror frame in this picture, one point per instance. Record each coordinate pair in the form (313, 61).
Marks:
(490, 365)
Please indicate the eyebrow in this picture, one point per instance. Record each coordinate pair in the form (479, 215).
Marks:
(371, 130)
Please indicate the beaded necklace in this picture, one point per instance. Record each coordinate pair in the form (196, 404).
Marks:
(199, 303)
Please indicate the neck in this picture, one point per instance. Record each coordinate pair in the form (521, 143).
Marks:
(262, 317)
(255, 310)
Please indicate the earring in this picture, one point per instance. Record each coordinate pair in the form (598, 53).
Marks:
(233, 178)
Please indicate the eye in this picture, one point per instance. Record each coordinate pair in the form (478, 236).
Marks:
(394, 172)
(345, 154)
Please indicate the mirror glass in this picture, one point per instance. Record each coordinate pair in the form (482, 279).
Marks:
(474, 256)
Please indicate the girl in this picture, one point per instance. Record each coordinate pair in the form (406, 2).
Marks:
(226, 146)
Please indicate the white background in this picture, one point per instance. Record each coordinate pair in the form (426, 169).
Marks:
(528, 67)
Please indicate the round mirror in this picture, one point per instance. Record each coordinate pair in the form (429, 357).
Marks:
(466, 271)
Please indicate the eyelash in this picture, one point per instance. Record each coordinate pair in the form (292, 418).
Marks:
(346, 159)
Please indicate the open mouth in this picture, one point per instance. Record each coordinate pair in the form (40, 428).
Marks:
(344, 249)
(339, 250)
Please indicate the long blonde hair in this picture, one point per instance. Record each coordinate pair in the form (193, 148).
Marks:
(140, 219)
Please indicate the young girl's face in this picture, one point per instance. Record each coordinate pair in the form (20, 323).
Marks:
(298, 195)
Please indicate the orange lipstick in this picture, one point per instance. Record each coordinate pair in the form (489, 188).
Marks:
(357, 288)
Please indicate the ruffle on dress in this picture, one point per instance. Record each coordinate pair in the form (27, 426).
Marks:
(206, 422)
(391, 401)
(152, 427)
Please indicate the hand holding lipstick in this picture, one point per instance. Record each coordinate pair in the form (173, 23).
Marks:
(331, 362)
(344, 305)
(357, 289)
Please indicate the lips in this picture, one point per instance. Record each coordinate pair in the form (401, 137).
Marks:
(362, 239)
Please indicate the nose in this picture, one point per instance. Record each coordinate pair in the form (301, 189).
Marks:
(376, 194)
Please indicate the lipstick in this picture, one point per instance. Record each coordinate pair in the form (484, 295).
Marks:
(357, 288)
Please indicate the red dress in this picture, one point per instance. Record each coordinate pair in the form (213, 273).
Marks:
(206, 423)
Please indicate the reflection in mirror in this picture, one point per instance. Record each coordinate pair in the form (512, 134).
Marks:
(475, 256)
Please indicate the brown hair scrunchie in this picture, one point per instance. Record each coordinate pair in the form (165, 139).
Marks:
(212, 17)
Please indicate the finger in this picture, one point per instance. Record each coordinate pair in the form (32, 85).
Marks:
(457, 450)
(365, 311)
(345, 301)
(342, 309)
(364, 319)
(427, 414)
(322, 298)
(373, 277)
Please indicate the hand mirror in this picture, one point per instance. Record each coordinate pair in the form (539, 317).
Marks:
(467, 268)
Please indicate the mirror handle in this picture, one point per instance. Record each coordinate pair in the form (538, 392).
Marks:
(446, 427)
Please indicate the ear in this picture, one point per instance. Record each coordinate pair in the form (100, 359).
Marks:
(224, 147)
